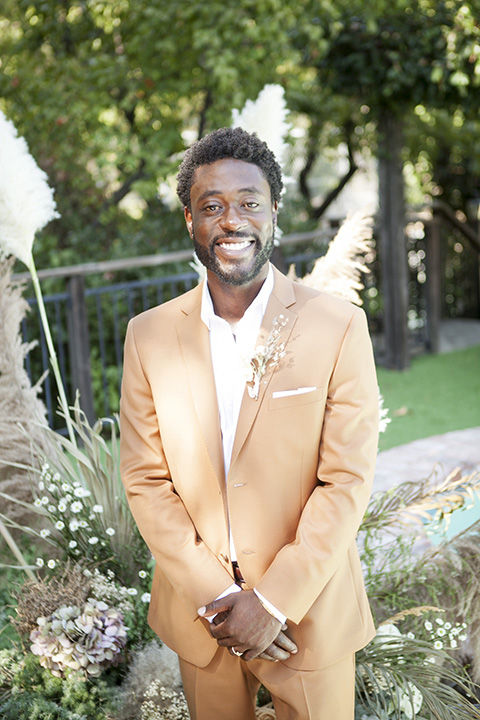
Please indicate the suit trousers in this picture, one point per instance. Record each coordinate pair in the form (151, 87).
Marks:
(226, 689)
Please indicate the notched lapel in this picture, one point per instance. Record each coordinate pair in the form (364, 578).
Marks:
(280, 302)
(195, 346)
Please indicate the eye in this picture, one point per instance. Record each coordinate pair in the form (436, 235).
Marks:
(252, 204)
(211, 208)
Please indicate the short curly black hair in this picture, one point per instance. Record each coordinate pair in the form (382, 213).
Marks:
(229, 143)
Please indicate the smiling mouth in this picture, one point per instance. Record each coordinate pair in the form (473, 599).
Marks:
(229, 245)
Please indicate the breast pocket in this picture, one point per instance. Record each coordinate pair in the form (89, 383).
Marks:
(290, 401)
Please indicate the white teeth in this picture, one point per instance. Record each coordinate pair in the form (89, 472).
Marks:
(235, 246)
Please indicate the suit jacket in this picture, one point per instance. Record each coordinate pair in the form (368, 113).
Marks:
(299, 482)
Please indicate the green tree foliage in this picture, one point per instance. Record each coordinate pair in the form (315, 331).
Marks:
(104, 89)
(109, 92)
(418, 60)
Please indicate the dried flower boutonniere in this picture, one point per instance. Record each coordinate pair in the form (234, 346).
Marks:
(265, 357)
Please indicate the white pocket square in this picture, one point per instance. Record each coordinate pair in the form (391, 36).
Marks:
(287, 393)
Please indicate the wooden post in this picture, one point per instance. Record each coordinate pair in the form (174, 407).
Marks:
(434, 288)
(80, 345)
(392, 242)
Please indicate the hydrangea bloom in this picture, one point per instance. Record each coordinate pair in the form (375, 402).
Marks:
(74, 639)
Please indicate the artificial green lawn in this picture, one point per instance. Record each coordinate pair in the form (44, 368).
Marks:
(439, 393)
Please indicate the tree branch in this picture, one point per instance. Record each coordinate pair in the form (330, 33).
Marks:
(203, 114)
(122, 191)
(353, 167)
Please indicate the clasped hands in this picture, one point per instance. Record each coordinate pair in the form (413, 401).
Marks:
(244, 625)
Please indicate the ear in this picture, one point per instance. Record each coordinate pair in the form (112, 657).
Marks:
(275, 212)
(189, 220)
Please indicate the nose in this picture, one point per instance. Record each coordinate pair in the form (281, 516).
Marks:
(232, 219)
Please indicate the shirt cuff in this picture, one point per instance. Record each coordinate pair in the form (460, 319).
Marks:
(270, 608)
(233, 588)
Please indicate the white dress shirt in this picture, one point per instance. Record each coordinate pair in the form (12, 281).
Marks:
(231, 348)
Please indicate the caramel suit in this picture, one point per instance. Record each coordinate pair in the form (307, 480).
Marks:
(299, 482)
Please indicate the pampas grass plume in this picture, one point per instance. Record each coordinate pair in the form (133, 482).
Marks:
(26, 199)
(267, 117)
(339, 271)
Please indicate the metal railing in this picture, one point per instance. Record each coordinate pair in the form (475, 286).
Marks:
(88, 324)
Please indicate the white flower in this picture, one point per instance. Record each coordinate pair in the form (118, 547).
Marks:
(410, 636)
(453, 643)
(441, 632)
(51, 564)
(56, 476)
(44, 533)
(142, 573)
(59, 525)
(26, 200)
(73, 525)
(80, 492)
(62, 506)
(383, 419)
(411, 701)
(51, 488)
(72, 544)
(439, 621)
(428, 625)
(51, 509)
(45, 500)
(448, 626)
(40, 562)
(38, 502)
(93, 540)
(110, 531)
(41, 485)
(83, 524)
(97, 508)
(65, 487)
(76, 507)
(388, 629)
(132, 591)
(438, 645)
(145, 597)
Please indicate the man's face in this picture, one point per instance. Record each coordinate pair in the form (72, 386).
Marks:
(232, 220)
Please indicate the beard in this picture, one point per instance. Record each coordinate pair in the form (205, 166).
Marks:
(235, 274)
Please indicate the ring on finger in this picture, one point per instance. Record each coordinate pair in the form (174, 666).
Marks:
(235, 652)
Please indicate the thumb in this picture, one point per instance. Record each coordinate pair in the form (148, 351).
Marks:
(217, 606)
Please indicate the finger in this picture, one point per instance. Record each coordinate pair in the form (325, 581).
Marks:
(222, 605)
(219, 618)
(285, 643)
(220, 633)
(213, 608)
(264, 656)
(272, 653)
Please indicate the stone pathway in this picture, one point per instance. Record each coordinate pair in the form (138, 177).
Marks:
(416, 460)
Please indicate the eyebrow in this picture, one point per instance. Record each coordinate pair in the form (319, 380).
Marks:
(209, 193)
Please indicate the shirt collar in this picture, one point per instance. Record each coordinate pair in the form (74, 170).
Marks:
(260, 301)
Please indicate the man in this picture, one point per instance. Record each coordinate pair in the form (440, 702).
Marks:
(249, 435)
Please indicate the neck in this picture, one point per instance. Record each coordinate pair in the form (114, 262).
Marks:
(230, 302)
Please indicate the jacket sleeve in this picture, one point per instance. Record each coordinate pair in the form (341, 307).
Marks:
(192, 569)
(347, 451)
